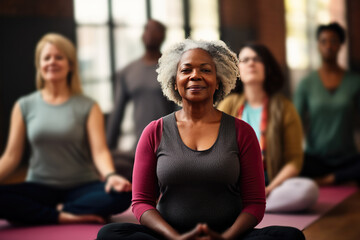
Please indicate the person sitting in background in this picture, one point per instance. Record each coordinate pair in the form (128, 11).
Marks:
(204, 165)
(277, 126)
(327, 100)
(137, 83)
(68, 148)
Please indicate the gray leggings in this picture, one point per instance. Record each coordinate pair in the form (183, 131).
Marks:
(293, 195)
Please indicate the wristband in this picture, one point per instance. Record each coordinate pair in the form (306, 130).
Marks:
(109, 175)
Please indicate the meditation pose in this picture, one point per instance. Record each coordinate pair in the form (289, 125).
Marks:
(69, 156)
(198, 172)
(327, 101)
(277, 126)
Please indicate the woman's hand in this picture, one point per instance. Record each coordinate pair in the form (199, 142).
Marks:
(268, 190)
(192, 235)
(209, 234)
(117, 183)
(201, 232)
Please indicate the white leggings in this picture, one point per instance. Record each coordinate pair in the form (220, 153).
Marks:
(293, 195)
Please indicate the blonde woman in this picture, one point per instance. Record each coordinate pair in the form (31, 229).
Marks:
(68, 148)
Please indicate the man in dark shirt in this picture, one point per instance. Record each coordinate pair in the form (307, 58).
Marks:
(137, 82)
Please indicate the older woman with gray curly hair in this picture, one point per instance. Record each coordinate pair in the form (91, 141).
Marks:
(225, 62)
(198, 172)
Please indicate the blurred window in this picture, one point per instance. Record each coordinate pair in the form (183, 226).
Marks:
(109, 35)
(302, 19)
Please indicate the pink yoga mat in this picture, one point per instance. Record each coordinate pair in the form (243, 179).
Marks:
(58, 232)
(329, 197)
(51, 232)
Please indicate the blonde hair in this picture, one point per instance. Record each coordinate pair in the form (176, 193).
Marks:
(68, 49)
(225, 60)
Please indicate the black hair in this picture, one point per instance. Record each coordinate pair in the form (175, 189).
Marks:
(334, 27)
(274, 78)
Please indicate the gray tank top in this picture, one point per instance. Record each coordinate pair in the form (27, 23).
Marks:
(60, 152)
(199, 186)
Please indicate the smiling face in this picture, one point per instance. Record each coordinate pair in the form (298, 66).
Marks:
(196, 79)
(54, 66)
(252, 69)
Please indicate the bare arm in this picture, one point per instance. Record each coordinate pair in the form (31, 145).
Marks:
(243, 223)
(153, 220)
(292, 149)
(288, 171)
(15, 146)
(100, 151)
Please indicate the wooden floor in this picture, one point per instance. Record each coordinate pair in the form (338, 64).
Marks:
(340, 223)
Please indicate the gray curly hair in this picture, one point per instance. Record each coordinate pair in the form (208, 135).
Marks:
(225, 60)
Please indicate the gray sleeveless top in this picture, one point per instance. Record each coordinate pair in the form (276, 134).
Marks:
(199, 186)
(60, 152)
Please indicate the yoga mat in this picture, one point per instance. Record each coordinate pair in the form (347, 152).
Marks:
(58, 232)
(329, 197)
(51, 232)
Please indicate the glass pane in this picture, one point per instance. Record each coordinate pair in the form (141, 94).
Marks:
(93, 52)
(168, 12)
(204, 34)
(94, 64)
(91, 11)
(204, 13)
(101, 92)
(173, 35)
(297, 41)
(128, 45)
(302, 20)
(126, 12)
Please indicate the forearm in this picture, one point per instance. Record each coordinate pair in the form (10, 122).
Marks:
(8, 165)
(14, 150)
(288, 171)
(243, 223)
(153, 220)
(103, 162)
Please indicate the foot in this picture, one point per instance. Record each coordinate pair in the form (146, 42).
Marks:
(65, 218)
(60, 207)
(325, 181)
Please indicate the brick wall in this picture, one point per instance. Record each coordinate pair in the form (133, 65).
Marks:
(353, 19)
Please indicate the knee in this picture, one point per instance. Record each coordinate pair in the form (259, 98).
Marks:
(295, 194)
(285, 233)
(123, 200)
(111, 231)
(293, 233)
(105, 232)
(117, 203)
(306, 189)
(309, 190)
